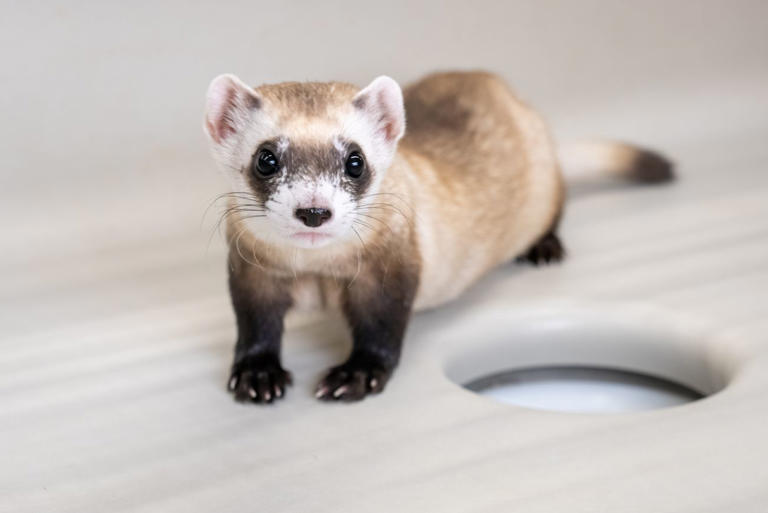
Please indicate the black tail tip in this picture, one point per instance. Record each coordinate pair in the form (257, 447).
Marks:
(651, 167)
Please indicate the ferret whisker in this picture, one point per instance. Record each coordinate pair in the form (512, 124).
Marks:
(371, 242)
(361, 226)
(253, 202)
(385, 206)
(227, 213)
(237, 209)
(357, 272)
(396, 196)
(374, 218)
(383, 201)
(236, 195)
(382, 204)
(237, 248)
(359, 238)
(211, 204)
(365, 224)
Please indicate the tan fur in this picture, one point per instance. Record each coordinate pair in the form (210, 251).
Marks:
(475, 182)
(485, 181)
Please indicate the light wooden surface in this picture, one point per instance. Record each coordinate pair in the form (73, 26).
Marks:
(117, 331)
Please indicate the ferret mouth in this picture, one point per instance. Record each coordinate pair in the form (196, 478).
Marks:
(311, 237)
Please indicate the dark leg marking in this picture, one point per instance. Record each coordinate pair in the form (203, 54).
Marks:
(260, 303)
(377, 308)
(547, 249)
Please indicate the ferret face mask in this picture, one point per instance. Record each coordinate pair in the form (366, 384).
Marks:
(305, 166)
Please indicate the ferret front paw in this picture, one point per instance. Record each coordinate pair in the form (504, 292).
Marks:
(258, 378)
(353, 380)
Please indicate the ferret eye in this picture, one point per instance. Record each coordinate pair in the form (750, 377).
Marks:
(266, 163)
(355, 165)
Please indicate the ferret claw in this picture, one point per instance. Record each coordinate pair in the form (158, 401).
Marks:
(340, 391)
(352, 381)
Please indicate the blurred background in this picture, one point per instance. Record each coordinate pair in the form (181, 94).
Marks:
(102, 151)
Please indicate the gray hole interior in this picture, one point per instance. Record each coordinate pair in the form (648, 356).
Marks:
(611, 389)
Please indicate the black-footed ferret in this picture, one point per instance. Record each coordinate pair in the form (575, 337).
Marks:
(328, 195)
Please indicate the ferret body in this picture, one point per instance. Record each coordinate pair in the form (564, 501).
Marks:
(329, 196)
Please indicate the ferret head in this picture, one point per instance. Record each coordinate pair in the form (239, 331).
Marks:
(303, 157)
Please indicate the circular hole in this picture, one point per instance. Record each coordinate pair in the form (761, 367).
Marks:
(587, 361)
(582, 389)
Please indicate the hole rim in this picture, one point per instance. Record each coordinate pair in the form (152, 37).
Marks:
(710, 367)
(594, 376)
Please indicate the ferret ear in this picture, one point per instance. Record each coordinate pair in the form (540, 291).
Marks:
(382, 104)
(228, 105)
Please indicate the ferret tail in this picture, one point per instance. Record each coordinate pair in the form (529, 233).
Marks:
(590, 162)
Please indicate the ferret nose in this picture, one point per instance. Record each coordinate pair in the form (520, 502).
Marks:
(313, 217)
